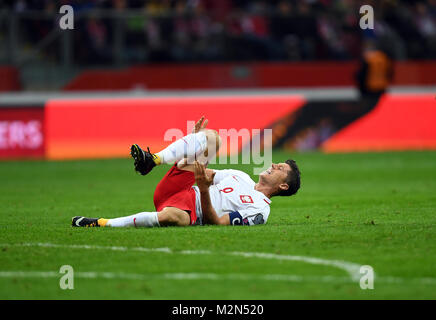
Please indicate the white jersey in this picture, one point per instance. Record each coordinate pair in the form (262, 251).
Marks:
(233, 193)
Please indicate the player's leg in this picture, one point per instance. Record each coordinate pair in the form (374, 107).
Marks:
(142, 219)
(190, 146)
(169, 216)
(213, 145)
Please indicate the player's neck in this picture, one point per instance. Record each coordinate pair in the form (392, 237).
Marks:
(265, 189)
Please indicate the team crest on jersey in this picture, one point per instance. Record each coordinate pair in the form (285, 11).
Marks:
(246, 199)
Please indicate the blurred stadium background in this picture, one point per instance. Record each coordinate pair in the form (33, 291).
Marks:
(314, 52)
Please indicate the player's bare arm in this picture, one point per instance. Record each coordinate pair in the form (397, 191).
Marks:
(204, 180)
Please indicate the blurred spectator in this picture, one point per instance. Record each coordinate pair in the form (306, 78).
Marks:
(305, 26)
(375, 74)
(426, 25)
(97, 42)
(229, 30)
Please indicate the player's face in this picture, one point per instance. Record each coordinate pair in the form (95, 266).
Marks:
(276, 174)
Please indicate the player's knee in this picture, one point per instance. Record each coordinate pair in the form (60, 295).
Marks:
(173, 217)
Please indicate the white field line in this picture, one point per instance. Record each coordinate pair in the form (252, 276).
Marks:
(353, 269)
(208, 276)
(175, 276)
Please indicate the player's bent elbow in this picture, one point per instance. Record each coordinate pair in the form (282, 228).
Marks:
(224, 220)
(219, 221)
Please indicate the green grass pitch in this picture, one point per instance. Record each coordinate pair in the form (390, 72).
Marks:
(376, 209)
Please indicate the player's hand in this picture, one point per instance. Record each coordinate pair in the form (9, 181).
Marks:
(203, 180)
(200, 125)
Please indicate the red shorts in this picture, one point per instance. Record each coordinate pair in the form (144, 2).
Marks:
(175, 190)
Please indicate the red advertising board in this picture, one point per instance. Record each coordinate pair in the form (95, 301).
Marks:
(21, 132)
(398, 122)
(244, 75)
(105, 128)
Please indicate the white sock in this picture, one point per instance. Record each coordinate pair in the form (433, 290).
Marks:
(142, 219)
(189, 147)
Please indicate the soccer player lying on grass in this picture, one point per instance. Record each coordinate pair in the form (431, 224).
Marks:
(222, 197)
